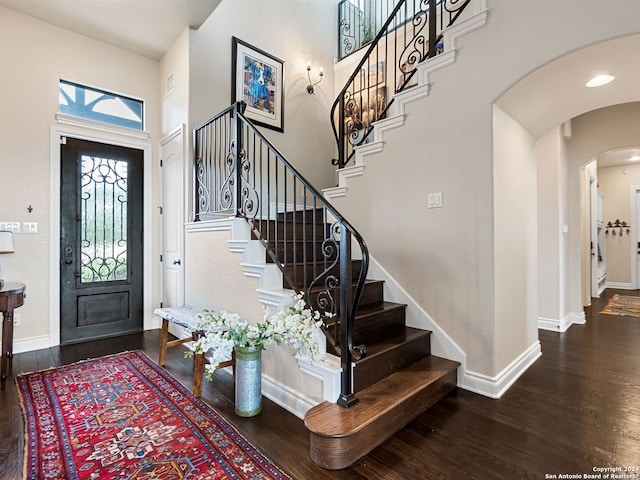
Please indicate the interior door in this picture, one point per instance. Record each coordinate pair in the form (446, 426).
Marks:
(172, 219)
(101, 245)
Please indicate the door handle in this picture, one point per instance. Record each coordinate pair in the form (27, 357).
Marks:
(176, 262)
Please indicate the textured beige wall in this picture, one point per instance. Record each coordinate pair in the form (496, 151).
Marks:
(594, 133)
(445, 258)
(175, 104)
(616, 183)
(36, 55)
(292, 31)
(516, 239)
(214, 279)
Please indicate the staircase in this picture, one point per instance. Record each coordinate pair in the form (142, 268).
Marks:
(388, 374)
(395, 381)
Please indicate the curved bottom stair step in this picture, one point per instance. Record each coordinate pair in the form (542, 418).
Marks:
(340, 436)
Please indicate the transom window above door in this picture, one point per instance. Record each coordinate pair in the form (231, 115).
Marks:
(93, 104)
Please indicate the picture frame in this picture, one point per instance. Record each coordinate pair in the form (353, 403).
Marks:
(257, 78)
(370, 76)
(364, 108)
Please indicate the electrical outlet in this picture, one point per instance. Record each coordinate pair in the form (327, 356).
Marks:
(17, 320)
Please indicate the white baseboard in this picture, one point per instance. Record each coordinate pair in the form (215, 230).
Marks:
(620, 285)
(495, 387)
(563, 324)
(288, 398)
(30, 344)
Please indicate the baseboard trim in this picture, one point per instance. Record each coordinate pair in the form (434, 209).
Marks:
(619, 285)
(288, 398)
(30, 344)
(495, 387)
(563, 324)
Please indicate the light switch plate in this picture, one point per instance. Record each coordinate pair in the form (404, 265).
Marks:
(434, 200)
(29, 227)
(13, 227)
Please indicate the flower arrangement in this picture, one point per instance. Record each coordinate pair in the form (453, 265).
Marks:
(221, 331)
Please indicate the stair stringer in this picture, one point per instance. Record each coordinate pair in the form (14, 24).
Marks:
(397, 113)
(276, 298)
(442, 345)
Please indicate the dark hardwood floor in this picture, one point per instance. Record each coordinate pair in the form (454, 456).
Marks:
(576, 408)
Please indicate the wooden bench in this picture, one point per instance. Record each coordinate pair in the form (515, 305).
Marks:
(186, 317)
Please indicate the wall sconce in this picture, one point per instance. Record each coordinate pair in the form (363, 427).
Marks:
(310, 89)
(6, 246)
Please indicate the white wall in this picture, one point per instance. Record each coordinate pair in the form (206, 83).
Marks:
(36, 56)
(553, 259)
(175, 102)
(446, 258)
(616, 183)
(516, 239)
(594, 133)
(292, 31)
(218, 282)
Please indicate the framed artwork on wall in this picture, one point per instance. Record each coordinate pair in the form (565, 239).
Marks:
(258, 79)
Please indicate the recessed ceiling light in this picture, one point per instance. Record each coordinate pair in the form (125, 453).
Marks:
(600, 80)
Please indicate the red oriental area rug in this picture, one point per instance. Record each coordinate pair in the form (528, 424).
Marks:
(124, 417)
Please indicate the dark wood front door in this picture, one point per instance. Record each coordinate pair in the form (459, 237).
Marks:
(101, 247)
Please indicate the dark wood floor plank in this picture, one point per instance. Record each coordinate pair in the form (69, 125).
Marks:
(577, 407)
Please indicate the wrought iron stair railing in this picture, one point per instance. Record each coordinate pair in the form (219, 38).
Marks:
(411, 33)
(240, 173)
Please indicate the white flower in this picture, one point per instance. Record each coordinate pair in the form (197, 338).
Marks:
(218, 333)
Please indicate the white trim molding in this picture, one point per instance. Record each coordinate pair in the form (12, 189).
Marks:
(563, 324)
(495, 387)
(288, 398)
(620, 285)
(101, 127)
(30, 344)
(69, 126)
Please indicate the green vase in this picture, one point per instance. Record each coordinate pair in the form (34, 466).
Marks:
(248, 381)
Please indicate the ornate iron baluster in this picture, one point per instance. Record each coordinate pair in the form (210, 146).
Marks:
(354, 111)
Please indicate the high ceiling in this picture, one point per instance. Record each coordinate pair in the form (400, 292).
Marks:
(146, 27)
(556, 92)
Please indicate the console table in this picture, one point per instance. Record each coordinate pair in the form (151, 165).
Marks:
(11, 296)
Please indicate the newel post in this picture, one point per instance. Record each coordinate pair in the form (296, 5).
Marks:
(347, 397)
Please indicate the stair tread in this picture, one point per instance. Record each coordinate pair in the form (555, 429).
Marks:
(331, 420)
(378, 308)
(373, 309)
(320, 261)
(367, 281)
(384, 345)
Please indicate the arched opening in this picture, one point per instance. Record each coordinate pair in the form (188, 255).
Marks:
(569, 125)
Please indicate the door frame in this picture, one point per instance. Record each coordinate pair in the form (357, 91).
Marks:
(84, 130)
(593, 236)
(180, 131)
(635, 236)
